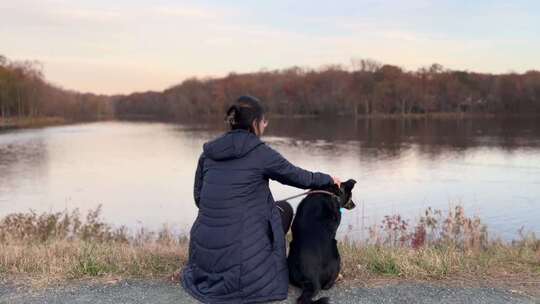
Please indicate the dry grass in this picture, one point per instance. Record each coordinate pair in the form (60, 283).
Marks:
(436, 262)
(62, 259)
(62, 246)
(439, 246)
(30, 122)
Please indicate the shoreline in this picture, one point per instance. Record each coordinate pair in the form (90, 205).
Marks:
(39, 122)
(48, 121)
(407, 116)
(52, 248)
(516, 282)
(104, 263)
(32, 122)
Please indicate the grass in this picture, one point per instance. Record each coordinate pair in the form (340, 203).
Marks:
(30, 122)
(439, 246)
(64, 246)
(78, 259)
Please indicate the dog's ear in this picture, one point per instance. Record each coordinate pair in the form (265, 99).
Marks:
(348, 185)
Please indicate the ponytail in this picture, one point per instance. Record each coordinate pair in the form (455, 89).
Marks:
(232, 114)
(244, 112)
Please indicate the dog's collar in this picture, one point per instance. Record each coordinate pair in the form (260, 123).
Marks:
(313, 192)
(324, 192)
(341, 209)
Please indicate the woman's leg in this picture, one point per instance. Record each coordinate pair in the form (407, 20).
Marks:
(287, 213)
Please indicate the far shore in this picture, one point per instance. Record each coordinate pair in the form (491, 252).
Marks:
(31, 122)
(47, 121)
(37, 122)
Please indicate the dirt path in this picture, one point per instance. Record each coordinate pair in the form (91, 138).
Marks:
(155, 291)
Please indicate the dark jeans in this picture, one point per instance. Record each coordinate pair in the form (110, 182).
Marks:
(287, 212)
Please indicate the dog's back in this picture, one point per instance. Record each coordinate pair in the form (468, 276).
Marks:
(313, 259)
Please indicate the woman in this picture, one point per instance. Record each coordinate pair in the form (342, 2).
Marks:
(237, 243)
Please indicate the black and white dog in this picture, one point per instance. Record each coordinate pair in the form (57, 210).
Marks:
(314, 262)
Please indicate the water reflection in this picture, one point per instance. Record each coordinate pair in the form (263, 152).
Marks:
(143, 172)
(23, 161)
(392, 134)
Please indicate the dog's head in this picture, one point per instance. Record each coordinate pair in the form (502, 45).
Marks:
(345, 194)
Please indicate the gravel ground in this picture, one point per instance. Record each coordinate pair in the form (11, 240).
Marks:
(137, 291)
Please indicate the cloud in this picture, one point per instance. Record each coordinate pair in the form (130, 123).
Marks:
(92, 15)
(187, 12)
(145, 46)
(61, 13)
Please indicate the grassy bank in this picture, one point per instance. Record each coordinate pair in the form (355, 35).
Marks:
(411, 116)
(30, 122)
(65, 246)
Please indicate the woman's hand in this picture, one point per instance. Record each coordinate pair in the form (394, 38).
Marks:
(337, 181)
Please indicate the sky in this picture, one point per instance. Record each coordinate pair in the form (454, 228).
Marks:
(123, 46)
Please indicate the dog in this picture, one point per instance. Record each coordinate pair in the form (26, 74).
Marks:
(314, 262)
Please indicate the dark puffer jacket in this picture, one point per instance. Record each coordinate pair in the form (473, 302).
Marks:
(237, 244)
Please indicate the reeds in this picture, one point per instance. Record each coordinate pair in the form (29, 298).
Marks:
(437, 246)
(434, 229)
(66, 246)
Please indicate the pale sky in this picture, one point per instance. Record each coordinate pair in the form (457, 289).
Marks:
(121, 46)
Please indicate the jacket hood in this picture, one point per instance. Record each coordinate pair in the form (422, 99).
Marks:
(233, 144)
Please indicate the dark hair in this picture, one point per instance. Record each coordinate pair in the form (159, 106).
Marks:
(244, 112)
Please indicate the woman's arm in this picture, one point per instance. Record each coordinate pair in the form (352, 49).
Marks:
(198, 180)
(276, 167)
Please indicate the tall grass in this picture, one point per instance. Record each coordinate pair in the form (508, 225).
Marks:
(437, 246)
(63, 245)
(30, 122)
(67, 245)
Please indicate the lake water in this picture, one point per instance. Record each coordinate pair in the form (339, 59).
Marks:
(142, 172)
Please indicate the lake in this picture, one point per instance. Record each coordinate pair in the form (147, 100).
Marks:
(142, 172)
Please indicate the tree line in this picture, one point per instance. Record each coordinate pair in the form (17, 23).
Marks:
(366, 87)
(25, 93)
